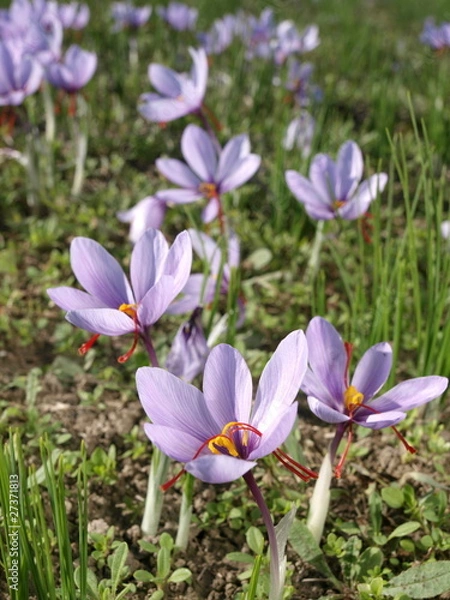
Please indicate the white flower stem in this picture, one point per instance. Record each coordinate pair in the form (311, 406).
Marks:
(154, 499)
(314, 260)
(184, 520)
(81, 142)
(320, 500)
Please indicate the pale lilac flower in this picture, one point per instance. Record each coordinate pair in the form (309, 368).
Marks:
(200, 288)
(333, 188)
(148, 213)
(178, 15)
(337, 399)
(189, 350)
(20, 74)
(74, 15)
(219, 435)
(207, 174)
(219, 36)
(300, 133)
(75, 71)
(178, 94)
(111, 306)
(298, 82)
(436, 36)
(257, 34)
(126, 15)
(288, 40)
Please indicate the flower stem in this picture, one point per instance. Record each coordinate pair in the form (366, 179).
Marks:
(275, 581)
(184, 520)
(320, 500)
(81, 142)
(314, 260)
(150, 348)
(154, 499)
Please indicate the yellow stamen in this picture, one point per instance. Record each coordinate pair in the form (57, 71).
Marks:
(224, 438)
(128, 309)
(352, 398)
(223, 441)
(208, 190)
(338, 204)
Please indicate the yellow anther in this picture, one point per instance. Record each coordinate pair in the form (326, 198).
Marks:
(128, 309)
(223, 441)
(209, 190)
(352, 397)
(338, 204)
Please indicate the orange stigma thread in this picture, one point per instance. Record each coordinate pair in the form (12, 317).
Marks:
(293, 466)
(82, 350)
(130, 310)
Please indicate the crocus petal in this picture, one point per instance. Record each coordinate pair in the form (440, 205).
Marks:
(227, 385)
(410, 394)
(99, 273)
(163, 110)
(218, 468)
(174, 403)
(179, 445)
(234, 249)
(148, 213)
(197, 292)
(179, 262)
(106, 321)
(175, 196)
(232, 154)
(206, 249)
(379, 421)
(366, 192)
(164, 80)
(199, 152)
(349, 170)
(327, 357)
(322, 174)
(156, 301)
(211, 211)
(199, 71)
(69, 298)
(313, 386)
(147, 262)
(281, 379)
(306, 193)
(243, 172)
(177, 172)
(325, 412)
(373, 369)
(276, 433)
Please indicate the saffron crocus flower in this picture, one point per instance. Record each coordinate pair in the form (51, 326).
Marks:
(219, 435)
(178, 15)
(219, 36)
(74, 15)
(208, 173)
(126, 15)
(178, 94)
(200, 288)
(337, 399)
(288, 40)
(189, 350)
(148, 213)
(111, 306)
(257, 34)
(300, 133)
(75, 71)
(20, 74)
(436, 36)
(333, 188)
(298, 83)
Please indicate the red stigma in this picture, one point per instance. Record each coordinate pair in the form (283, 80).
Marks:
(82, 350)
(293, 466)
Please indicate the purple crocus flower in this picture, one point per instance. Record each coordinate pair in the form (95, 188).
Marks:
(219, 435)
(436, 36)
(20, 74)
(257, 34)
(178, 15)
(111, 306)
(288, 40)
(300, 133)
(75, 71)
(207, 174)
(333, 188)
(178, 94)
(189, 350)
(220, 35)
(74, 15)
(126, 15)
(200, 288)
(148, 213)
(335, 398)
(299, 84)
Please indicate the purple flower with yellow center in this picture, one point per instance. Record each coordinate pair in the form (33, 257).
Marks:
(111, 306)
(178, 15)
(219, 434)
(178, 94)
(209, 173)
(74, 71)
(335, 398)
(333, 188)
